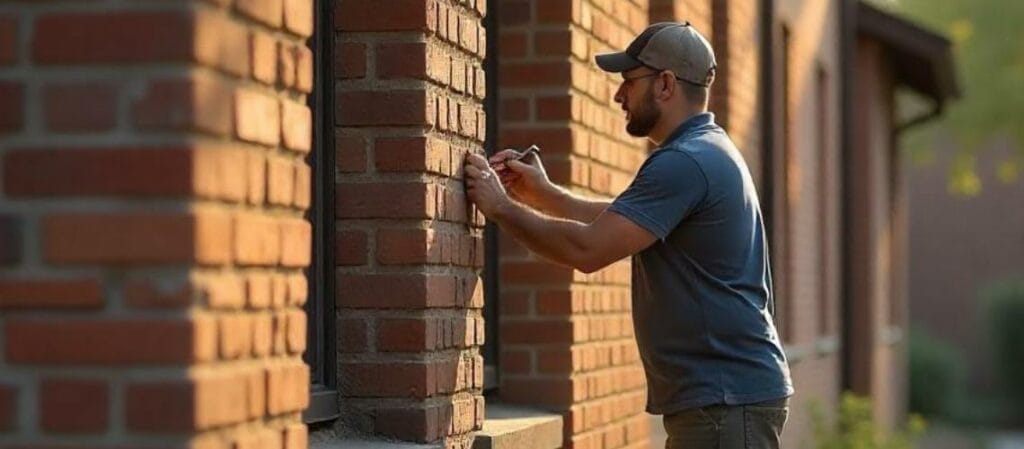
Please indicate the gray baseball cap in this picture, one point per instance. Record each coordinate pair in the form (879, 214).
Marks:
(673, 46)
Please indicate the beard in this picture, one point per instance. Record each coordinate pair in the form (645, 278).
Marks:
(643, 118)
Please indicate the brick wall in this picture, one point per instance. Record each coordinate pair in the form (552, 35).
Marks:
(409, 109)
(566, 337)
(807, 202)
(154, 187)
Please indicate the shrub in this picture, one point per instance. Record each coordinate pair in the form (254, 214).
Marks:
(855, 428)
(936, 376)
(1005, 303)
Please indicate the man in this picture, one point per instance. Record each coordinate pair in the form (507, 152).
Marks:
(692, 223)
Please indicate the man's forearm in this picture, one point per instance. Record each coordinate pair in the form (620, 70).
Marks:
(559, 240)
(561, 203)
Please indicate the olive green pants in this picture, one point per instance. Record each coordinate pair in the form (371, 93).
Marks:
(751, 426)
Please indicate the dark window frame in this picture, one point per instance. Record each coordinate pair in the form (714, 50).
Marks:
(491, 350)
(321, 349)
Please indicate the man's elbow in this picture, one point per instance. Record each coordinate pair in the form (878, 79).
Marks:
(589, 264)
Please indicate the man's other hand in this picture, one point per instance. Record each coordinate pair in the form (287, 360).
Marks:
(483, 186)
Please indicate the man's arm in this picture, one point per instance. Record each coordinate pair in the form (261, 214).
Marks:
(559, 202)
(583, 246)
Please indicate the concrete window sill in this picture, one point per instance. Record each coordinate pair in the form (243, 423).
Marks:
(506, 427)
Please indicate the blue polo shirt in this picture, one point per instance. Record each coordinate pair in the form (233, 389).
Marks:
(702, 291)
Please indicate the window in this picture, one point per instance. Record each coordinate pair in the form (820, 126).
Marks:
(320, 333)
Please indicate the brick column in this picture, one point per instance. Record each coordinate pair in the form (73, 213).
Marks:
(154, 187)
(566, 337)
(410, 108)
(697, 12)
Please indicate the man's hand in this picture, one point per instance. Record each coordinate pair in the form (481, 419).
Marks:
(526, 180)
(483, 187)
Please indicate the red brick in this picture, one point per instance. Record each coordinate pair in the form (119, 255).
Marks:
(280, 181)
(415, 424)
(350, 154)
(298, 289)
(234, 336)
(8, 404)
(547, 392)
(412, 154)
(399, 15)
(80, 107)
(96, 171)
(535, 74)
(535, 272)
(296, 126)
(279, 334)
(203, 401)
(298, 17)
(257, 239)
(263, 54)
(383, 108)
(257, 117)
(303, 186)
(107, 342)
(201, 237)
(515, 12)
(554, 108)
(12, 107)
(114, 36)
(352, 336)
(536, 331)
(512, 44)
(402, 60)
(350, 60)
(296, 243)
(262, 334)
(256, 392)
(74, 406)
(304, 70)
(220, 290)
(405, 200)
(222, 42)
(296, 331)
(269, 12)
(286, 57)
(405, 291)
(256, 174)
(408, 380)
(296, 436)
(198, 103)
(515, 109)
(515, 361)
(8, 40)
(287, 388)
(407, 246)
(257, 288)
(50, 293)
(407, 335)
(351, 248)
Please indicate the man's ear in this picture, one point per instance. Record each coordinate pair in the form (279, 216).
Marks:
(670, 85)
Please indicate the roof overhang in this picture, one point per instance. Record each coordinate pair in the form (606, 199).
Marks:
(922, 60)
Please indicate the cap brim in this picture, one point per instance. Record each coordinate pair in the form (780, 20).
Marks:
(616, 62)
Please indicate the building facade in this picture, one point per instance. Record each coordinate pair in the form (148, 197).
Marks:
(286, 259)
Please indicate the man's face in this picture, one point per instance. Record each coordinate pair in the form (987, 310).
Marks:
(636, 94)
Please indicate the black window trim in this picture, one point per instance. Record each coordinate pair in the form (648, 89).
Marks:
(321, 348)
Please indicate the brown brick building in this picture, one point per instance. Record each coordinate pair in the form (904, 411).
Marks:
(286, 258)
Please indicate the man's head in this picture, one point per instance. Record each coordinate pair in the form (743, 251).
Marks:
(669, 66)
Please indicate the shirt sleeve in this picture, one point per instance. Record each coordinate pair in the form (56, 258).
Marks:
(666, 190)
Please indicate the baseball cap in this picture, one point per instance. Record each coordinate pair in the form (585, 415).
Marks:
(673, 46)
